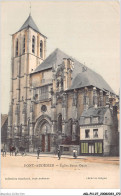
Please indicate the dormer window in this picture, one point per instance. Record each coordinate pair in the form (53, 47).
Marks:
(87, 120)
(95, 120)
(24, 44)
(41, 49)
(17, 47)
(33, 44)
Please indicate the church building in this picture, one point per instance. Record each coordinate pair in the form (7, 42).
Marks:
(53, 99)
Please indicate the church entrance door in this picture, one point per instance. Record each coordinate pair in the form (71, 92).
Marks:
(45, 137)
(43, 143)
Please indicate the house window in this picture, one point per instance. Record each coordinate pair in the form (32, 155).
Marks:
(98, 147)
(95, 133)
(84, 147)
(87, 120)
(87, 133)
(24, 44)
(17, 47)
(33, 44)
(41, 49)
(95, 120)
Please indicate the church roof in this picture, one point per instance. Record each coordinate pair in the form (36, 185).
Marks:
(56, 58)
(30, 23)
(80, 78)
(90, 78)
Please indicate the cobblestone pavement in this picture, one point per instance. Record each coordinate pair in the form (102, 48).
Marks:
(49, 172)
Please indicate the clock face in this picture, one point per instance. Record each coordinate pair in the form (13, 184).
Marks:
(43, 108)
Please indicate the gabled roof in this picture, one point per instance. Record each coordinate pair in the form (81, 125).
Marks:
(55, 58)
(80, 78)
(3, 119)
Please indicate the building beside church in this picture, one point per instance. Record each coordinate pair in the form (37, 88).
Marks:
(50, 97)
(98, 135)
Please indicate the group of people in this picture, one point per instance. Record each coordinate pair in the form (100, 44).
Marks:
(16, 150)
(59, 153)
(4, 151)
(13, 150)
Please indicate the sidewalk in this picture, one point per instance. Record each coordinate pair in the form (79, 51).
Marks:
(91, 159)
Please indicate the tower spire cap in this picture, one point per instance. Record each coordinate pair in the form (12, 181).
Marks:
(30, 9)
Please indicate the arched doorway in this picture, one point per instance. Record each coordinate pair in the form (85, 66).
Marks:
(42, 132)
(45, 137)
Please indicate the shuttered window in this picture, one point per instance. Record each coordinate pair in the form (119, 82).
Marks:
(84, 147)
(98, 147)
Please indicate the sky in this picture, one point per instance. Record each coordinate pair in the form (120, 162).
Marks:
(89, 31)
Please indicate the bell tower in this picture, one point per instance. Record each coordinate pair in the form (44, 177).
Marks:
(28, 51)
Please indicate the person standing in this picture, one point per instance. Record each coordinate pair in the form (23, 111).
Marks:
(38, 152)
(16, 151)
(75, 153)
(4, 150)
(59, 154)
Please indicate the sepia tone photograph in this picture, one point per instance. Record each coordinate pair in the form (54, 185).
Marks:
(60, 94)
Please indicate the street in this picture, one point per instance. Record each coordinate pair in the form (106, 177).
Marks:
(28, 172)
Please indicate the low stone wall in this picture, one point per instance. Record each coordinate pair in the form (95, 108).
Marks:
(68, 149)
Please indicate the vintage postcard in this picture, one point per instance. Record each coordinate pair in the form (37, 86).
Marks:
(60, 73)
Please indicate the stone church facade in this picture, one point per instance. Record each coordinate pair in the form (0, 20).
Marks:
(49, 95)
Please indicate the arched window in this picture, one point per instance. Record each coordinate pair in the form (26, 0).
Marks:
(60, 123)
(57, 84)
(61, 83)
(24, 44)
(41, 49)
(17, 47)
(33, 44)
